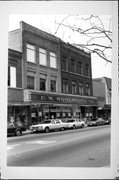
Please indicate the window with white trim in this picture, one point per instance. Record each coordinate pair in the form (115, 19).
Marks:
(12, 76)
(42, 57)
(30, 53)
(53, 60)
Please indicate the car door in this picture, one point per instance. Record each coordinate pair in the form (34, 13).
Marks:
(10, 129)
(53, 125)
(58, 124)
(79, 123)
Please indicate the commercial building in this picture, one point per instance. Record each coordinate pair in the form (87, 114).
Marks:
(76, 79)
(17, 109)
(42, 77)
(102, 90)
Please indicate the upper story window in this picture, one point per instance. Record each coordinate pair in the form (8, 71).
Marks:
(42, 84)
(53, 85)
(65, 86)
(81, 89)
(87, 70)
(30, 80)
(30, 53)
(43, 80)
(73, 87)
(73, 66)
(80, 68)
(42, 57)
(64, 63)
(53, 60)
(87, 89)
(12, 76)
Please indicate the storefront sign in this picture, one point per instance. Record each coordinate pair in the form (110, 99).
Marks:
(36, 97)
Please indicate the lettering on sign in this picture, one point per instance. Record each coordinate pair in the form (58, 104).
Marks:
(62, 99)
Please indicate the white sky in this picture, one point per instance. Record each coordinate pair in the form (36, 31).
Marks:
(47, 23)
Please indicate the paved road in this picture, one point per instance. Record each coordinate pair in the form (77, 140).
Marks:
(88, 147)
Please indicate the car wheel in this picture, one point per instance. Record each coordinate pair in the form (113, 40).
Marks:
(47, 130)
(74, 127)
(62, 128)
(82, 126)
(18, 132)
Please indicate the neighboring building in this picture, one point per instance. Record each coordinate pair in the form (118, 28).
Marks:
(42, 76)
(102, 90)
(76, 78)
(17, 109)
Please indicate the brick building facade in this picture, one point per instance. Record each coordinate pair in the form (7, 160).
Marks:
(43, 75)
(102, 89)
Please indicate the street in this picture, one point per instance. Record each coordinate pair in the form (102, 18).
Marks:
(88, 147)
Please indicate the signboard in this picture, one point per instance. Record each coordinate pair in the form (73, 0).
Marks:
(63, 99)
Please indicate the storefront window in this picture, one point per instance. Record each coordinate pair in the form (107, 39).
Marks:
(17, 116)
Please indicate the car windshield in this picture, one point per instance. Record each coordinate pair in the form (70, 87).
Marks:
(46, 122)
(70, 121)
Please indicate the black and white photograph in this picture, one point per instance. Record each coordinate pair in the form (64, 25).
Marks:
(61, 96)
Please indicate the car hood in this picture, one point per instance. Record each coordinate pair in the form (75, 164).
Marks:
(37, 125)
(91, 122)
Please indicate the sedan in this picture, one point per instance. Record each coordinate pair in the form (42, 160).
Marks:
(15, 130)
(100, 121)
(108, 121)
(91, 123)
(74, 123)
(49, 125)
(96, 122)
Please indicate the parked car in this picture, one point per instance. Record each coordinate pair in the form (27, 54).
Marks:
(100, 121)
(107, 121)
(96, 122)
(74, 123)
(49, 125)
(15, 130)
(91, 122)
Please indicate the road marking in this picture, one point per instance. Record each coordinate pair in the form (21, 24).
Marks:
(40, 142)
(12, 146)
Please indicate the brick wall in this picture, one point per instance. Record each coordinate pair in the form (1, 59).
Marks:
(78, 56)
(15, 40)
(15, 95)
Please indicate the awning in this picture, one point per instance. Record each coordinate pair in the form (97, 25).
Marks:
(18, 104)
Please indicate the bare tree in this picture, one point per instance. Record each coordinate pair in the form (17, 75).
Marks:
(98, 38)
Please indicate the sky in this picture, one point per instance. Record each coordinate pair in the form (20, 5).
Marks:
(48, 23)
